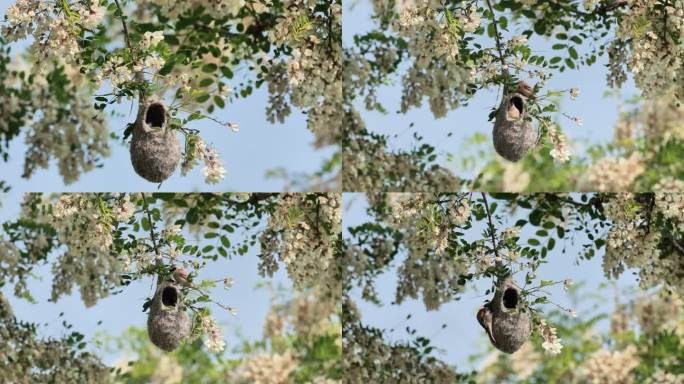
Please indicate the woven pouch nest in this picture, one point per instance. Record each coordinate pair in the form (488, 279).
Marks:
(167, 323)
(513, 135)
(511, 327)
(155, 149)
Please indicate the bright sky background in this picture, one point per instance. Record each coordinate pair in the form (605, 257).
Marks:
(598, 112)
(463, 336)
(258, 147)
(119, 312)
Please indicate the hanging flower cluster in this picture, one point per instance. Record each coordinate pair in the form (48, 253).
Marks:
(302, 232)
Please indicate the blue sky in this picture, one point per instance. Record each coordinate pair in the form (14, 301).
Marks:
(118, 312)
(463, 336)
(598, 111)
(258, 147)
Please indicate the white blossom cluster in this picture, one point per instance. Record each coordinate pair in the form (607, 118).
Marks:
(217, 8)
(312, 74)
(267, 368)
(669, 184)
(214, 341)
(671, 205)
(83, 224)
(308, 315)
(610, 367)
(430, 38)
(198, 150)
(431, 226)
(435, 71)
(634, 241)
(53, 28)
(552, 343)
(302, 232)
(426, 226)
(68, 131)
(654, 313)
(655, 41)
(612, 174)
(661, 376)
(560, 152)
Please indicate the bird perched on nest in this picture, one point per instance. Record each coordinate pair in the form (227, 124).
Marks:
(484, 317)
(523, 89)
(507, 325)
(526, 90)
(180, 276)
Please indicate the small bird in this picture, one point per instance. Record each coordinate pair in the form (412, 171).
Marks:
(526, 90)
(484, 317)
(180, 276)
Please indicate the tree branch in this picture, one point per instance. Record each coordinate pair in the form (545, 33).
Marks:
(125, 27)
(127, 38)
(492, 232)
(153, 237)
(504, 71)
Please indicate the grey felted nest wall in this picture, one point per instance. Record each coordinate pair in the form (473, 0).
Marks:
(511, 327)
(168, 324)
(513, 135)
(155, 149)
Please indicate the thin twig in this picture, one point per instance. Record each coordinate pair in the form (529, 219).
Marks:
(492, 231)
(139, 76)
(125, 27)
(153, 236)
(504, 71)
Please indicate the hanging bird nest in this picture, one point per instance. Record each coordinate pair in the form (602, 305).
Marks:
(155, 149)
(513, 134)
(511, 326)
(168, 324)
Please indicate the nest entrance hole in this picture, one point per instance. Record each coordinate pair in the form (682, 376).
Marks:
(170, 296)
(518, 103)
(156, 115)
(510, 298)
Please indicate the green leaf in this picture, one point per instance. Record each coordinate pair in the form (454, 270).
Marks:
(535, 217)
(225, 241)
(145, 224)
(570, 63)
(218, 100)
(209, 68)
(206, 82)
(227, 72)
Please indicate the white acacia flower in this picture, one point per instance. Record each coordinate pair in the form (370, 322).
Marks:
(574, 93)
(214, 341)
(552, 343)
(560, 152)
(213, 170)
(151, 39)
